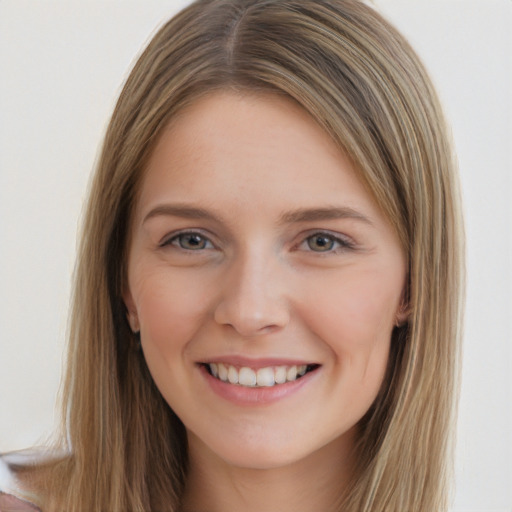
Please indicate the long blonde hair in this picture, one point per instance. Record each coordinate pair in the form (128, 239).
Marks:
(361, 81)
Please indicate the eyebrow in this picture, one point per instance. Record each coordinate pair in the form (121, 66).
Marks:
(183, 211)
(291, 217)
(329, 213)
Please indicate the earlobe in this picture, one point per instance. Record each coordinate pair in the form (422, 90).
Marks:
(131, 312)
(403, 311)
(133, 320)
(402, 314)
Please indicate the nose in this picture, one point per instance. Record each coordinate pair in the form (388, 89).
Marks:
(253, 297)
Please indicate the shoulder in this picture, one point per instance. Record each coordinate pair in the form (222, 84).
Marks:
(13, 496)
(9, 503)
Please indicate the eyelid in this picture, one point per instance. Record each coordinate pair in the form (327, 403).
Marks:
(169, 237)
(345, 242)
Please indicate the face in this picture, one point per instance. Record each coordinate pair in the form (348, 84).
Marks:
(264, 280)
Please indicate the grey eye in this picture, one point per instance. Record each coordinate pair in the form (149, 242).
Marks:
(190, 241)
(321, 243)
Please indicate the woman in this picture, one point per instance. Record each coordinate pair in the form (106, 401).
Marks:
(268, 288)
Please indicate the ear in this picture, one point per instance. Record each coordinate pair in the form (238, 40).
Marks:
(131, 311)
(403, 312)
(401, 317)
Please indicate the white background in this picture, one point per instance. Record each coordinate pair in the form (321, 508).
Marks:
(61, 67)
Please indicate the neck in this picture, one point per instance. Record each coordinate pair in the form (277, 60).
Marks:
(313, 483)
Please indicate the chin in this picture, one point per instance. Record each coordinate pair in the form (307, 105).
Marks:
(262, 449)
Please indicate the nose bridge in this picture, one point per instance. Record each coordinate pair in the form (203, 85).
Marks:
(252, 298)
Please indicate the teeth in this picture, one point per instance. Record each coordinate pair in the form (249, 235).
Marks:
(280, 374)
(291, 373)
(263, 377)
(232, 375)
(223, 372)
(247, 377)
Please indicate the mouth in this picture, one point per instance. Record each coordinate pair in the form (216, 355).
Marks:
(268, 376)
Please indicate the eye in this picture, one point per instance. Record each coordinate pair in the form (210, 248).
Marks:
(190, 241)
(325, 242)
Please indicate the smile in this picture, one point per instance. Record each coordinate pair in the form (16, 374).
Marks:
(263, 377)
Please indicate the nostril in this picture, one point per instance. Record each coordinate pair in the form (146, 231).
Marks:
(250, 318)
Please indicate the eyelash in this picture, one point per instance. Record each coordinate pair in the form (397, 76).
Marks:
(339, 244)
(175, 240)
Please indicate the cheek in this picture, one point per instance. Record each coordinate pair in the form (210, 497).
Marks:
(354, 312)
(354, 321)
(171, 308)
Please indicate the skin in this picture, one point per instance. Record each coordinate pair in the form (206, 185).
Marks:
(262, 281)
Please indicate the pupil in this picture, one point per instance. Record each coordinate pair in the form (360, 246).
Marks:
(322, 243)
(193, 241)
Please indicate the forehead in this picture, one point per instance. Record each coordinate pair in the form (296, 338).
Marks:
(246, 149)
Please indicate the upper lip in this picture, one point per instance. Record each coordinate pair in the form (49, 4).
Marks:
(241, 361)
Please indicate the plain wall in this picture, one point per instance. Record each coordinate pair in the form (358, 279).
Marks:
(61, 67)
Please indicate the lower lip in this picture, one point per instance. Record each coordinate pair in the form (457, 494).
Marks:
(243, 395)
